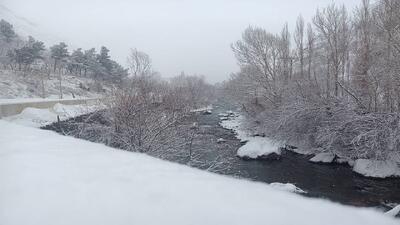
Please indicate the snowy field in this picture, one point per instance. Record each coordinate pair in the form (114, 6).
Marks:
(51, 179)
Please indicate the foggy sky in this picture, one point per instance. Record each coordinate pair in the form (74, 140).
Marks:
(179, 35)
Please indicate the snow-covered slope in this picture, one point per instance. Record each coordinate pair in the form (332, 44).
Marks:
(51, 179)
(14, 85)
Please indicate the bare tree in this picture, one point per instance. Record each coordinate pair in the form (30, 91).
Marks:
(139, 63)
(310, 49)
(286, 57)
(332, 26)
(259, 56)
(299, 39)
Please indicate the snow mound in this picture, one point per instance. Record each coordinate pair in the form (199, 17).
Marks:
(376, 168)
(393, 212)
(69, 111)
(221, 140)
(51, 179)
(258, 147)
(232, 124)
(34, 117)
(203, 109)
(287, 187)
(340, 160)
(324, 157)
(255, 147)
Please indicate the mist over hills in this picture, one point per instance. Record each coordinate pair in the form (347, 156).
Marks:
(24, 27)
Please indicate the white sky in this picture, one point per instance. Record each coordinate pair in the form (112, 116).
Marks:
(180, 35)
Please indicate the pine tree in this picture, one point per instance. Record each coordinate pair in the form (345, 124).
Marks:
(7, 31)
(104, 59)
(27, 54)
(58, 53)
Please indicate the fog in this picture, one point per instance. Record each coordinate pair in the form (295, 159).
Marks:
(191, 36)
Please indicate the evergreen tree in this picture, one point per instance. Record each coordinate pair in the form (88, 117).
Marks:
(104, 59)
(118, 73)
(77, 60)
(35, 47)
(27, 54)
(7, 32)
(58, 52)
(90, 62)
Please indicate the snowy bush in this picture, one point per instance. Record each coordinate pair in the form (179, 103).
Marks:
(341, 129)
(361, 135)
(146, 120)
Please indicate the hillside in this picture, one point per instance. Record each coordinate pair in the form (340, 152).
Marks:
(17, 85)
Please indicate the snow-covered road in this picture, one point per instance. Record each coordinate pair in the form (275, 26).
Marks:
(46, 178)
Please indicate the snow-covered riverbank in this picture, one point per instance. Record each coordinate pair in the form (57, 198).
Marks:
(35, 117)
(255, 147)
(261, 147)
(51, 179)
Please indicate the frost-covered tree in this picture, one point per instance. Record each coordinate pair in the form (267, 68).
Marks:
(351, 103)
(299, 39)
(259, 54)
(332, 24)
(139, 63)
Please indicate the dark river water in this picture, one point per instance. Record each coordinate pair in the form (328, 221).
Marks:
(335, 182)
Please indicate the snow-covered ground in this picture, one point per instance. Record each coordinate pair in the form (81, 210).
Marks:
(208, 108)
(47, 178)
(258, 147)
(323, 157)
(376, 168)
(14, 85)
(394, 212)
(35, 117)
(255, 147)
(10, 101)
(365, 167)
(287, 187)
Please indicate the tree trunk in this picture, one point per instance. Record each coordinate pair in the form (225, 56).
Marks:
(60, 86)
(55, 65)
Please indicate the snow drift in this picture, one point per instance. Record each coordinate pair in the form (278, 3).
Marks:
(34, 117)
(376, 168)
